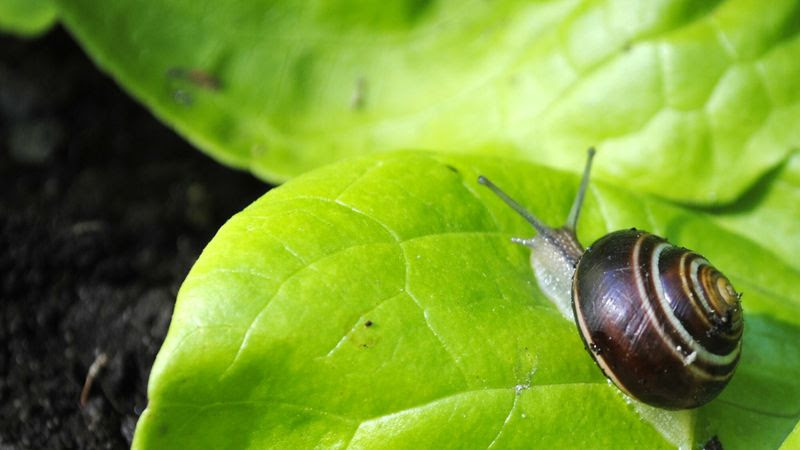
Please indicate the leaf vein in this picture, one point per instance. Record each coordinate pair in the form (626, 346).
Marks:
(505, 422)
(359, 321)
(278, 289)
(413, 297)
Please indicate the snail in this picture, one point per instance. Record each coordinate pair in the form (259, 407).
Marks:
(660, 321)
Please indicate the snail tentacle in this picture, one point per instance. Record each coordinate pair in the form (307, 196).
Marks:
(660, 321)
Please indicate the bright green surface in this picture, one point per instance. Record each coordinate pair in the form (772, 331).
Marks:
(26, 17)
(793, 441)
(769, 213)
(269, 344)
(690, 100)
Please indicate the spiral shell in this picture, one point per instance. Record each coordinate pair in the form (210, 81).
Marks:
(662, 323)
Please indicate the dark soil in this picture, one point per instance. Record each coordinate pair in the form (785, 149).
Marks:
(103, 210)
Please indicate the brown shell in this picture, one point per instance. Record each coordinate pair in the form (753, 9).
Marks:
(662, 323)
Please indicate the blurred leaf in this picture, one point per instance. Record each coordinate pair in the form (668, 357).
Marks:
(26, 17)
(769, 213)
(380, 303)
(793, 441)
(691, 100)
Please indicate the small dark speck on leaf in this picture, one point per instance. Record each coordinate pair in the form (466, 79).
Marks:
(176, 72)
(713, 444)
(182, 97)
(198, 77)
(368, 323)
(359, 98)
(452, 169)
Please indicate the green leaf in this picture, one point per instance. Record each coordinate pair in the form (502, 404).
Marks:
(793, 441)
(26, 17)
(380, 303)
(703, 97)
(768, 213)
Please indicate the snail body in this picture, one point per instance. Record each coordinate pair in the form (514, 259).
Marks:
(660, 321)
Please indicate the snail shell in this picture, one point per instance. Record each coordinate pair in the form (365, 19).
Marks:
(660, 321)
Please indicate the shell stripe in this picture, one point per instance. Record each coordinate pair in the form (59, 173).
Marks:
(697, 280)
(707, 281)
(689, 292)
(694, 279)
(694, 270)
(654, 322)
(599, 359)
(703, 354)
